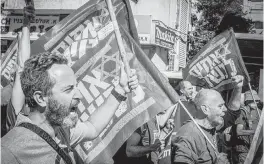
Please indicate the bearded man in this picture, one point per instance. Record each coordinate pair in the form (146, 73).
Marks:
(51, 92)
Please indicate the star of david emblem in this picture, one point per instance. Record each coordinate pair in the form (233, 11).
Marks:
(223, 51)
(109, 60)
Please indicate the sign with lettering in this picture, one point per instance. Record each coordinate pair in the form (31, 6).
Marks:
(165, 36)
(216, 63)
(46, 4)
(10, 24)
(144, 38)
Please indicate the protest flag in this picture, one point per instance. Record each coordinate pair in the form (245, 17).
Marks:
(216, 63)
(86, 37)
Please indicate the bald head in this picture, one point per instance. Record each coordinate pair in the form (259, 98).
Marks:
(206, 97)
(211, 106)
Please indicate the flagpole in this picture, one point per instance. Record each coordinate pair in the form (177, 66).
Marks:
(254, 144)
(250, 88)
(216, 151)
(118, 37)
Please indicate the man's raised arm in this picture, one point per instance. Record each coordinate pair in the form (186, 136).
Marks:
(18, 98)
(234, 102)
(102, 116)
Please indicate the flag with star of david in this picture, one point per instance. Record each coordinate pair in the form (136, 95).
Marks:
(87, 39)
(216, 63)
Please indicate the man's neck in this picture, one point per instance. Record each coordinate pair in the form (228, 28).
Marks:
(40, 120)
(204, 123)
(184, 98)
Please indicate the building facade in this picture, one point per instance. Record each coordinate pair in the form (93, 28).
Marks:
(254, 10)
(162, 27)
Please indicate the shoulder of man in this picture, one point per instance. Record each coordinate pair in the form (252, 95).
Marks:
(188, 129)
(243, 115)
(16, 141)
(7, 156)
(17, 136)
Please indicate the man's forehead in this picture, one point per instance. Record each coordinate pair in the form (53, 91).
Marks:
(187, 84)
(62, 74)
(209, 94)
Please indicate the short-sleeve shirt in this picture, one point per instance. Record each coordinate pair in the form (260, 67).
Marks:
(190, 146)
(22, 146)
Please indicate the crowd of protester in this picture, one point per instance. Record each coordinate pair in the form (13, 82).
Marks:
(40, 124)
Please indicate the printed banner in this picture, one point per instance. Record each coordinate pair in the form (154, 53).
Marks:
(216, 63)
(87, 39)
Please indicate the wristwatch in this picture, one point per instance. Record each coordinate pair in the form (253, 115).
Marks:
(118, 96)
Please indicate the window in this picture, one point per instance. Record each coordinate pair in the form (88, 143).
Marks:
(259, 25)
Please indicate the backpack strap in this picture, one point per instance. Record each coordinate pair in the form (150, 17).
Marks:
(44, 135)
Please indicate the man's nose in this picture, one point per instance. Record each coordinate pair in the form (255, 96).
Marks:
(224, 108)
(78, 94)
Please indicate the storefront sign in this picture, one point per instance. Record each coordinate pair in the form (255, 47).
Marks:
(144, 38)
(165, 36)
(11, 24)
(46, 4)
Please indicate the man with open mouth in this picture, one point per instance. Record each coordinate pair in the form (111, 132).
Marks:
(51, 92)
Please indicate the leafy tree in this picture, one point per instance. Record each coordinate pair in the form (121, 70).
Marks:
(216, 16)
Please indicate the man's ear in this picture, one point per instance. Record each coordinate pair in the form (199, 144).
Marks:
(205, 110)
(40, 99)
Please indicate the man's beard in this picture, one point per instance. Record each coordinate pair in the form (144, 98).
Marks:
(59, 115)
(217, 121)
(71, 120)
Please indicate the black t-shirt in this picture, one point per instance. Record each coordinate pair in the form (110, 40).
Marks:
(121, 158)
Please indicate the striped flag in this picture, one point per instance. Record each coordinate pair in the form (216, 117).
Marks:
(87, 39)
